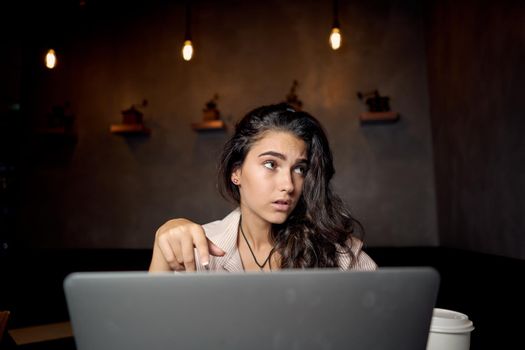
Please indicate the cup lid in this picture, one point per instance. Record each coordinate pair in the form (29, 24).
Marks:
(449, 321)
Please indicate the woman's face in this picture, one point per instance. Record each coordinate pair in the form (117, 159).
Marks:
(271, 177)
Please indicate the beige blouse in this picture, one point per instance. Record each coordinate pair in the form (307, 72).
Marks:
(223, 233)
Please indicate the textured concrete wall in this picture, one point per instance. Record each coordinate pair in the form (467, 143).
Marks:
(110, 191)
(476, 54)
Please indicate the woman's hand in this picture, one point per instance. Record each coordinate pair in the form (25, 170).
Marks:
(174, 247)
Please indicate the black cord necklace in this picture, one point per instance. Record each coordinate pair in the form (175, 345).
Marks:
(261, 266)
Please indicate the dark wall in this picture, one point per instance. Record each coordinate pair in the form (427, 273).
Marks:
(108, 191)
(476, 51)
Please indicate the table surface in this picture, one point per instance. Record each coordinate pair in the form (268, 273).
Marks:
(36, 334)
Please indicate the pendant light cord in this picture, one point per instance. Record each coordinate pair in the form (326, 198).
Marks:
(261, 266)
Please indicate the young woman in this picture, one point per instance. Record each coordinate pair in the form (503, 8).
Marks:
(277, 168)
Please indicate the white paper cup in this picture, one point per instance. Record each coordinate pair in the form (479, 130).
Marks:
(449, 330)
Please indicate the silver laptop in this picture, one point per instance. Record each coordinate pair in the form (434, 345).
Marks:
(390, 308)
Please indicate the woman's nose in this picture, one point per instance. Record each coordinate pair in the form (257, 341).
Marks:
(286, 182)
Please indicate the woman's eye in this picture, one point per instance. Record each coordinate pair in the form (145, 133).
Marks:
(300, 170)
(269, 164)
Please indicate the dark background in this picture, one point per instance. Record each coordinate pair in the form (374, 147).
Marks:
(444, 186)
(449, 173)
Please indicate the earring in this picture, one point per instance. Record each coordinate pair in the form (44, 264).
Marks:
(235, 181)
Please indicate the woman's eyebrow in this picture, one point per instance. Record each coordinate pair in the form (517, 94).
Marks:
(273, 153)
(302, 161)
(282, 156)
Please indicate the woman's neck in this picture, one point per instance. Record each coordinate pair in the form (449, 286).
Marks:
(256, 230)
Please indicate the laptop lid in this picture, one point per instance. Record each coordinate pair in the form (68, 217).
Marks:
(390, 308)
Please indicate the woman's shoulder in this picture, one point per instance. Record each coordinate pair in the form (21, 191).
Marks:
(217, 227)
(360, 259)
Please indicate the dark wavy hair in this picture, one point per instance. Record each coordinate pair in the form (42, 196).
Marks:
(320, 227)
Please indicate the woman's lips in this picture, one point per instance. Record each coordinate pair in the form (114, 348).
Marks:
(281, 205)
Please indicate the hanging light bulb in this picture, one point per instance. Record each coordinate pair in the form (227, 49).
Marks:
(335, 35)
(187, 49)
(51, 59)
(335, 38)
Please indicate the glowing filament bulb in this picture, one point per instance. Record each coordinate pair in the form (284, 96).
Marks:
(51, 59)
(335, 38)
(187, 50)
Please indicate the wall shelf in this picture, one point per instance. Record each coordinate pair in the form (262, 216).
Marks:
(59, 130)
(56, 134)
(209, 125)
(378, 117)
(129, 129)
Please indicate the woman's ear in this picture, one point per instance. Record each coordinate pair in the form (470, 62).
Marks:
(236, 177)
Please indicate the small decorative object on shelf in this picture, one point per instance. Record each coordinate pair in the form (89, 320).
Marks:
(378, 109)
(59, 124)
(292, 98)
(132, 122)
(211, 117)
